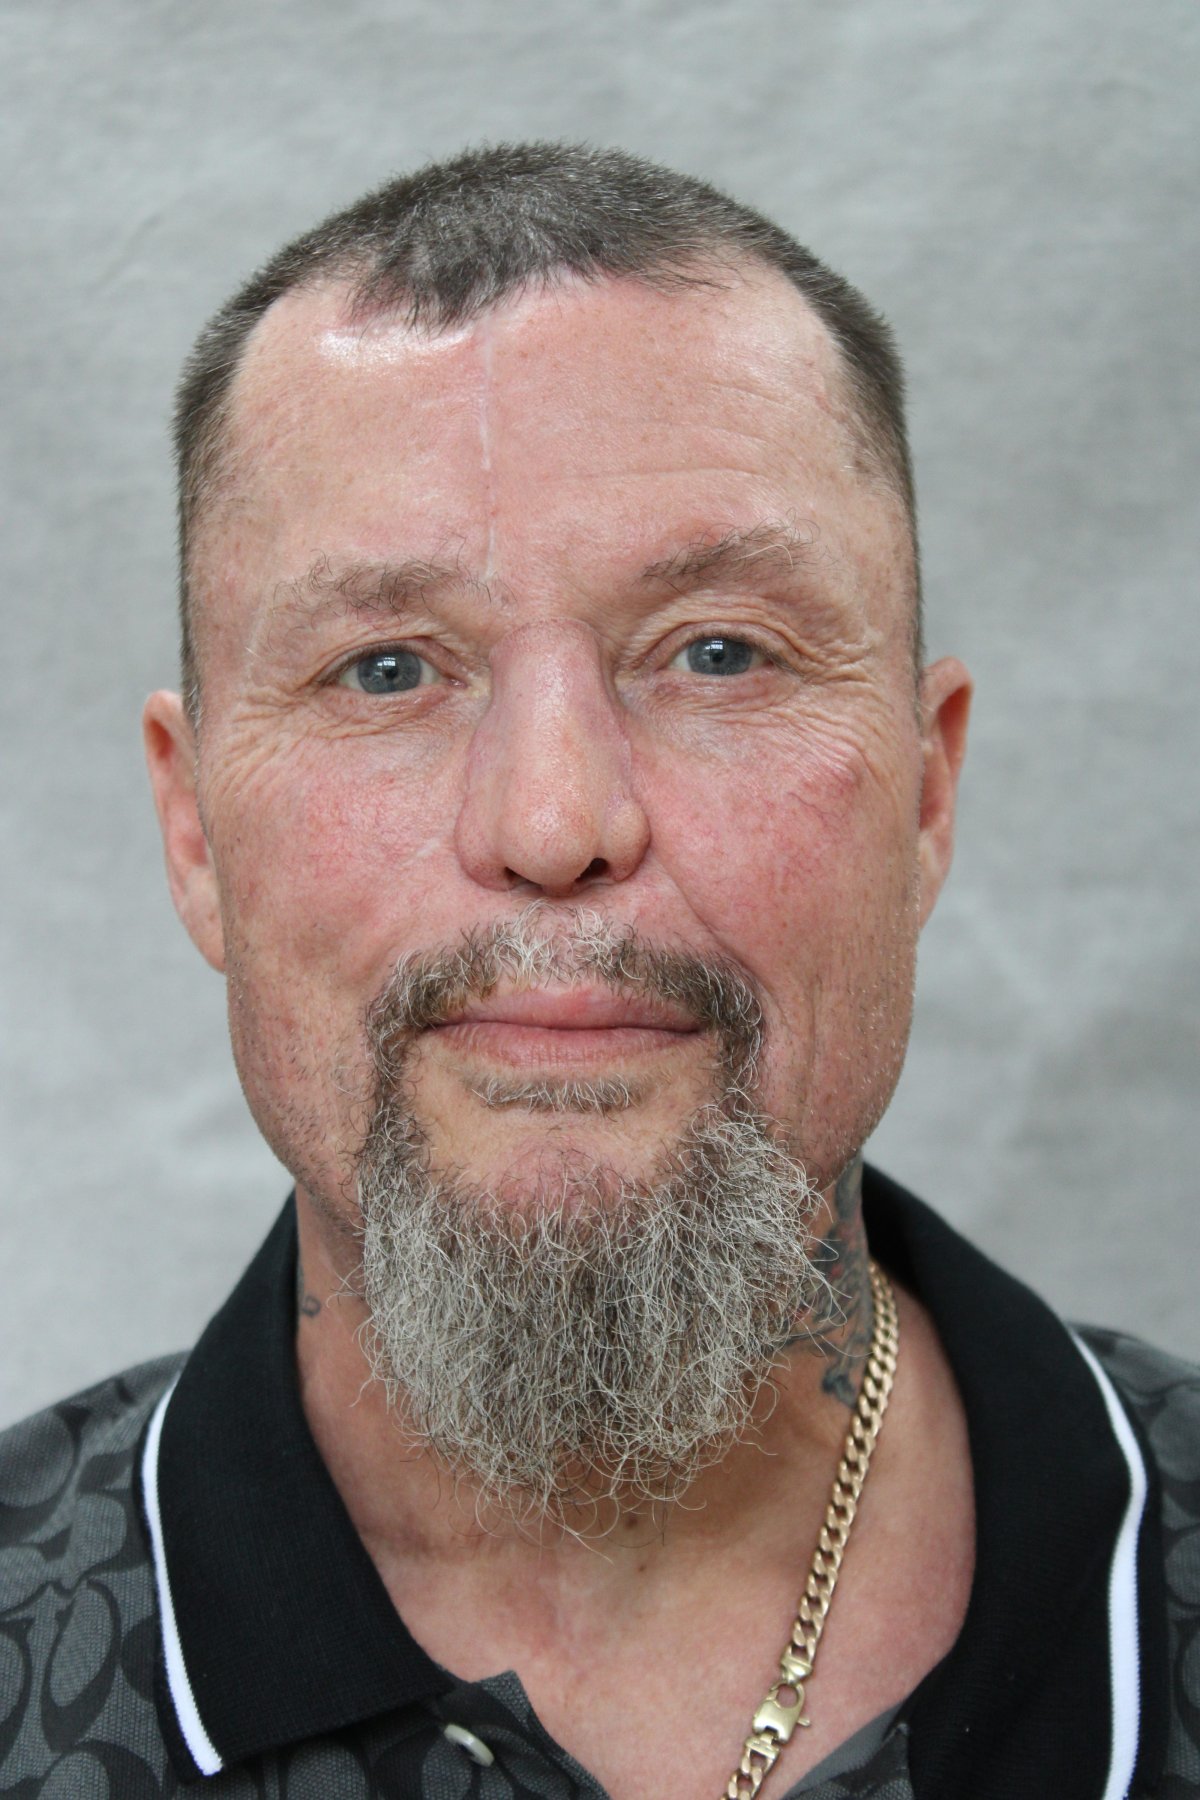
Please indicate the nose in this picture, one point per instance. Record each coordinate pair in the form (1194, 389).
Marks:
(549, 802)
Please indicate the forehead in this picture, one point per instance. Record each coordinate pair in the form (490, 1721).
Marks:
(591, 416)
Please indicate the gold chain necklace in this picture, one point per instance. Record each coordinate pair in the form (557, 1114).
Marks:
(777, 1718)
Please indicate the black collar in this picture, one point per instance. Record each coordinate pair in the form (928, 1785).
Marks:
(276, 1626)
(1023, 1702)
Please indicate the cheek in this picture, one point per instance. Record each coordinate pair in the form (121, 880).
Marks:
(800, 865)
(774, 843)
(328, 864)
(327, 874)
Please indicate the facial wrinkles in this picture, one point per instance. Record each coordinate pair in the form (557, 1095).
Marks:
(499, 369)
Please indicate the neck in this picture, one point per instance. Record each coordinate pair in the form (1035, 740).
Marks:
(842, 1338)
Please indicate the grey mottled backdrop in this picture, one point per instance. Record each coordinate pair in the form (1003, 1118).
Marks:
(1016, 185)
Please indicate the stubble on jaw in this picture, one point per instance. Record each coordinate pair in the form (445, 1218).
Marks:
(600, 1343)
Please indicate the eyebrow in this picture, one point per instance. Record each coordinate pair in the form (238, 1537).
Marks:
(774, 546)
(771, 547)
(373, 587)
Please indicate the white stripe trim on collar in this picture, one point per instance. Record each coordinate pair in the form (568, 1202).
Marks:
(1124, 1656)
(1123, 1647)
(200, 1745)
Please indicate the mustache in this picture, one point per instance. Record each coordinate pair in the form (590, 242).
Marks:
(531, 950)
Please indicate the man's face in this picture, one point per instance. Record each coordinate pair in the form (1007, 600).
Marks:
(591, 603)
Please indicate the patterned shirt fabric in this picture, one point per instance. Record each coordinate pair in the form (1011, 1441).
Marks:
(186, 1610)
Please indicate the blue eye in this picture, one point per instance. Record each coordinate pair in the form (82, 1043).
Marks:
(387, 672)
(717, 656)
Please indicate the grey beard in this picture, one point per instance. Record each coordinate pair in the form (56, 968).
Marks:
(605, 1344)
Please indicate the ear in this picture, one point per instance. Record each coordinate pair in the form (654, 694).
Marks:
(171, 757)
(945, 704)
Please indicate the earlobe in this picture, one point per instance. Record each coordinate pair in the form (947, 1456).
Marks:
(170, 744)
(945, 705)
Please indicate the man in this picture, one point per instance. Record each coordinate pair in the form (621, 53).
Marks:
(557, 785)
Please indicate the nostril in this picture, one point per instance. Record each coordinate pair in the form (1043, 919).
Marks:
(596, 870)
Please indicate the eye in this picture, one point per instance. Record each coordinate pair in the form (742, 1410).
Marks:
(717, 656)
(388, 672)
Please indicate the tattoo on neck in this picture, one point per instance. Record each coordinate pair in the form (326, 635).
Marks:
(307, 1304)
(843, 1336)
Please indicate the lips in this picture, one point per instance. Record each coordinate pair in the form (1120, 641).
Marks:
(575, 1028)
(575, 1009)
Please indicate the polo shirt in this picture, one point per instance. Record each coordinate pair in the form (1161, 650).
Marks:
(186, 1609)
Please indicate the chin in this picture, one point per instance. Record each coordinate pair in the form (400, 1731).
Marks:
(535, 1141)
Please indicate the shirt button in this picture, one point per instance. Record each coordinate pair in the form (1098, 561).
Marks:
(466, 1740)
